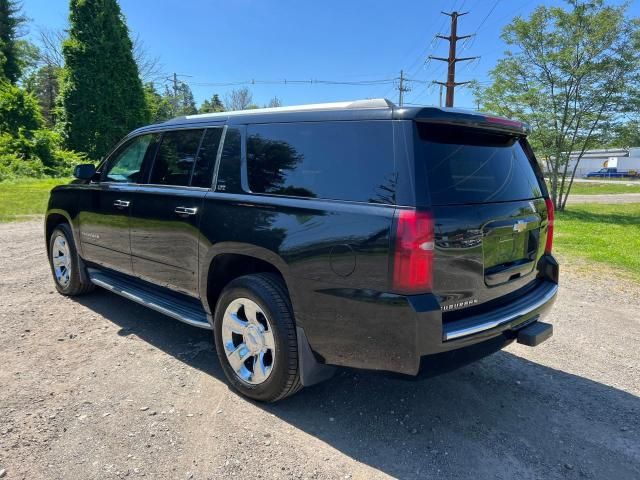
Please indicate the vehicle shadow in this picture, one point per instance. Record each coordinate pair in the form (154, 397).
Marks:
(501, 417)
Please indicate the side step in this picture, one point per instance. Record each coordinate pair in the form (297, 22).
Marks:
(174, 305)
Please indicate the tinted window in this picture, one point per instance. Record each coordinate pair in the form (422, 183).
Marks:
(229, 171)
(465, 165)
(175, 158)
(334, 160)
(203, 171)
(127, 162)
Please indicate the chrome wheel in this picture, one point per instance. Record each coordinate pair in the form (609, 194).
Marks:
(61, 260)
(248, 341)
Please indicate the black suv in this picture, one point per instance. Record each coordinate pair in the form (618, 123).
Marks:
(355, 234)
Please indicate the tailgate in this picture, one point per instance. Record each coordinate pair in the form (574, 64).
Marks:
(487, 198)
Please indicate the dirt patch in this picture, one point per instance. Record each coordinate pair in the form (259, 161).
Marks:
(99, 387)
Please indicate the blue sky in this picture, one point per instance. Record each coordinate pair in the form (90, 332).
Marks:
(344, 41)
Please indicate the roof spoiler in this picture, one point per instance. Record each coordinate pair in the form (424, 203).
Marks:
(471, 119)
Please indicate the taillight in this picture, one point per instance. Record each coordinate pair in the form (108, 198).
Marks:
(550, 216)
(413, 255)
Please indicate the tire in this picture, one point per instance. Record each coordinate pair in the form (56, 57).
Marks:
(263, 318)
(65, 263)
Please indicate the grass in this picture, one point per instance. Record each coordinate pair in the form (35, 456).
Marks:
(601, 233)
(603, 188)
(21, 199)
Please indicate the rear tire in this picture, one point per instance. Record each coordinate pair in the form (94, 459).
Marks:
(65, 263)
(255, 336)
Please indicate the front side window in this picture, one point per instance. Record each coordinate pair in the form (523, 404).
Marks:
(176, 157)
(333, 160)
(127, 162)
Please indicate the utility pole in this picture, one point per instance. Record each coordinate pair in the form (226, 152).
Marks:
(175, 85)
(174, 80)
(452, 59)
(440, 85)
(175, 93)
(402, 89)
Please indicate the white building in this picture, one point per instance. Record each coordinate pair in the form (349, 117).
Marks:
(592, 160)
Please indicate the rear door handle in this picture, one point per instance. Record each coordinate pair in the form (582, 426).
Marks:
(184, 211)
(121, 203)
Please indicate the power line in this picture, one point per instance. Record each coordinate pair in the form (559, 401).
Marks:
(510, 14)
(284, 81)
(488, 15)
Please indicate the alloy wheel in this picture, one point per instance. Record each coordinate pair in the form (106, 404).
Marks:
(248, 341)
(61, 260)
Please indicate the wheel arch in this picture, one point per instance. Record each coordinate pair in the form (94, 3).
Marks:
(54, 218)
(230, 260)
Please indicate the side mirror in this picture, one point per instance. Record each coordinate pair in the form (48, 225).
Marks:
(84, 171)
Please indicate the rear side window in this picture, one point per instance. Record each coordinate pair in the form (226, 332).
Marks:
(332, 160)
(229, 171)
(176, 157)
(465, 165)
(203, 170)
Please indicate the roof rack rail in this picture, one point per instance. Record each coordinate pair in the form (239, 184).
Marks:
(355, 104)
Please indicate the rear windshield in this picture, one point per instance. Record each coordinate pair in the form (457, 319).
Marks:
(465, 165)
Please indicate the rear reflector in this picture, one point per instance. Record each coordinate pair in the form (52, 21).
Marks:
(413, 255)
(551, 217)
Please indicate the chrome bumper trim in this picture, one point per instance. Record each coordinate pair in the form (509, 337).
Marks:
(496, 322)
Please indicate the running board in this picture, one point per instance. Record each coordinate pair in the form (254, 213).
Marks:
(184, 309)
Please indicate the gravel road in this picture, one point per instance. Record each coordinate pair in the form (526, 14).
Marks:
(98, 387)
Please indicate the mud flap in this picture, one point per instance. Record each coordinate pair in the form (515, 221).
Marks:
(311, 371)
(82, 270)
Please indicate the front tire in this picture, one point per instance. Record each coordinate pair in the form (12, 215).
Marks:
(65, 263)
(255, 337)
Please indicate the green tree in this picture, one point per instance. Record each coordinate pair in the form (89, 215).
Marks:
(19, 111)
(625, 135)
(274, 102)
(212, 106)
(11, 21)
(240, 99)
(570, 72)
(44, 85)
(102, 94)
(185, 103)
(27, 149)
(159, 106)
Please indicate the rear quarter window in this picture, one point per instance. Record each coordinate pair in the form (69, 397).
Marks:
(330, 160)
(465, 165)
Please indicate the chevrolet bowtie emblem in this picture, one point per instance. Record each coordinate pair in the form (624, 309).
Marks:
(520, 226)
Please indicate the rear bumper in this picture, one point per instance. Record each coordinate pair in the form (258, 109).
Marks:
(509, 317)
(478, 335)
(407, 334)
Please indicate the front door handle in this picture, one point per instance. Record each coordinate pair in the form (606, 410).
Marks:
(121, 203)
(184, 211)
